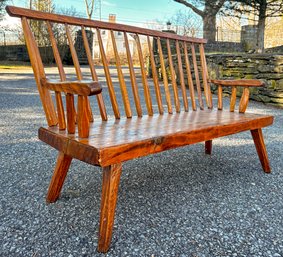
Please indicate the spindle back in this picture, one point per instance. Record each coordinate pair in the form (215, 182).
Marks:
(177, 63)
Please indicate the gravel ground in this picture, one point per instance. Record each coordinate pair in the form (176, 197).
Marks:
(177, 203)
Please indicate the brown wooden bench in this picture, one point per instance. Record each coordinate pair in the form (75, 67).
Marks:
(157, 116)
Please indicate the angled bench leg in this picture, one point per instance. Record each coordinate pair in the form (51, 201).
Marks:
(261, 150)
(58, 178)
(208, 147)
(110, 186)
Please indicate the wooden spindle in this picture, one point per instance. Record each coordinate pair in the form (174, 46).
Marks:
(82, 119)
(190, 79)
(173, 77)
(111, 90)
(99, 97)
(244, 100)
(58, 97)
(77, 66)
(220, 97)
(133, 77)
(181, 75)
(71, 113)
(39, 73)
(155, 77)
(122, 83)
(164, 75)
(144, 79)
(206, 84)
(197, 76)
(233, 99)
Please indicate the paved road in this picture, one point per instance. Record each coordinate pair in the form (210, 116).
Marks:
(177, 203)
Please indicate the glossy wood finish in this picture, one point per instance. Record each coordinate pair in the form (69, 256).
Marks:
(155, 77)
(110, 186)
(122, 83)
(111, 90)
(190, 79)
(239, 82)
(261, 150)
(22, 12)
(116, 141)
(110, 141)
(99, 97)
(58, 178)
(244, 100)
(233, 98)
(146, 91)
(85, 88)
(173, 77)
(164, 76)
(181, 76)
(39, 73)
(133, 77)
(205, 77)
(220, 98)
(197, 77)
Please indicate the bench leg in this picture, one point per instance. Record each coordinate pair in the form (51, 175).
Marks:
(208, 147)
(261, 150)
(110, 185)
(58, 178)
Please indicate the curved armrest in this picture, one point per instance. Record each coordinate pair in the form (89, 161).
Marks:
(239, 82)
(83, 87)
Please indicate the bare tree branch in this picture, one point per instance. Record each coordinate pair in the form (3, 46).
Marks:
(196, 10)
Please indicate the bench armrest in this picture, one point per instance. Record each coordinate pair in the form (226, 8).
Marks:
(239, 82)
(83, 87)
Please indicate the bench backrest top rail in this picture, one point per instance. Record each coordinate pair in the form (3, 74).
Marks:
(31, 14)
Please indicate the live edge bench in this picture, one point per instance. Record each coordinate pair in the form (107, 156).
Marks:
(152, 123)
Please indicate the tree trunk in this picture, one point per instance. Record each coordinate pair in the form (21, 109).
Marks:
(209, 27)
(261, 27)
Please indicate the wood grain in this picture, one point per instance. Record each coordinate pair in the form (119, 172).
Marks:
(133, 77)
(261, 150)
(190, 79)
(181, 76)
(220, 97)
(244, 101)
(111, 90)
(239, 82)
(164, 76)
(233, 99)
(39, 73)
(20, 12)
(120, 140)
(173, 77)
(110, 186)
(197, 76)
(58, 178)
(122, 83)
(155, 77)
(99, 97)
(146, 91)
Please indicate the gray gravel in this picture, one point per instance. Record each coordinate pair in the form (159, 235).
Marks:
(177, 203)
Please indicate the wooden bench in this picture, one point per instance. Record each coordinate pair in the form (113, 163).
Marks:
(145, 117)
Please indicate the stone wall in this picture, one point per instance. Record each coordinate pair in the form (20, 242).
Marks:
(251, 66)
(267, 67)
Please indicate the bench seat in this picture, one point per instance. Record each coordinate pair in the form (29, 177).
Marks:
(120, 140)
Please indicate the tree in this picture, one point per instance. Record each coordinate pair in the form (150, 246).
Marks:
(185, 23)
(262, 9)
(208, 14)
(89, 8)
(2, 8)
